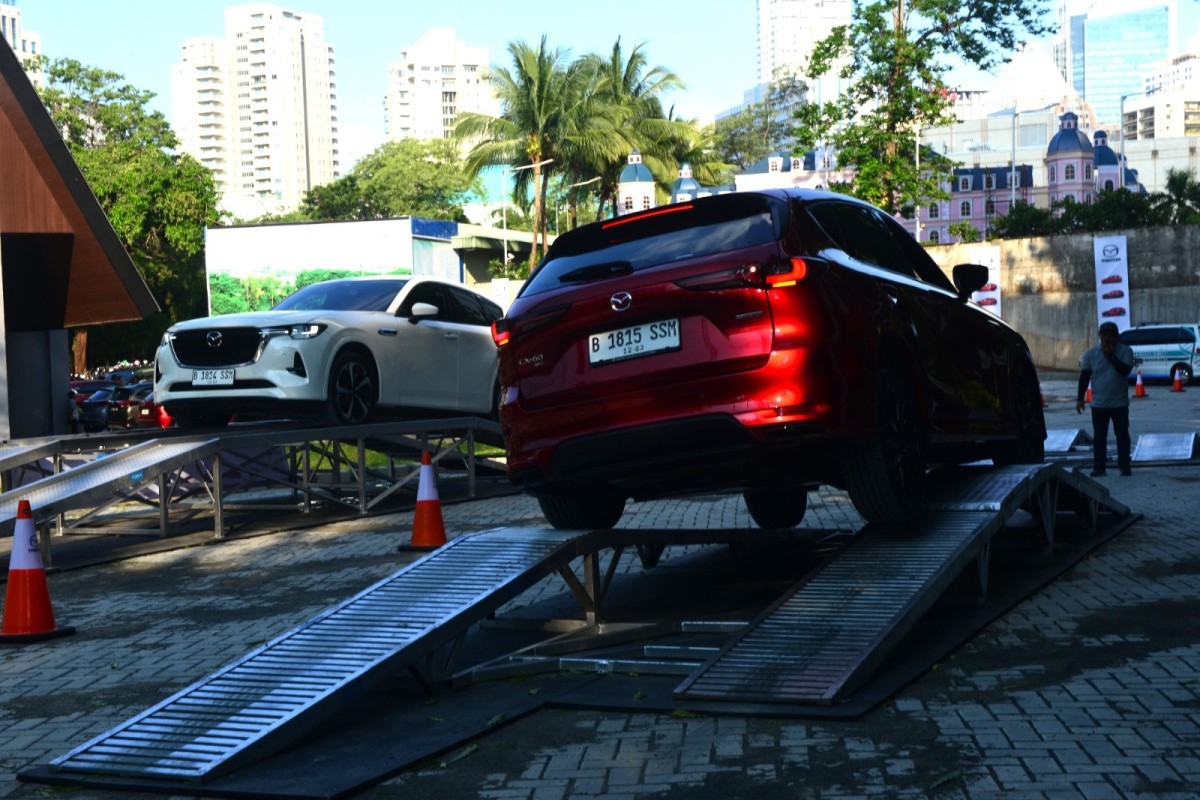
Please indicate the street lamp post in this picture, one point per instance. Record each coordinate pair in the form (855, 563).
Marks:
(1121, 160)
(1012, 166)
(917, 162)
(504, 201)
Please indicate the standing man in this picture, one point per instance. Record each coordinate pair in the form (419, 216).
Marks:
(1107, 367)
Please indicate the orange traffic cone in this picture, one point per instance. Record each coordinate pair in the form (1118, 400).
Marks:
(1177, 386)
(429, 532)
(1087, 396)
(28, 616)
(1140, 389)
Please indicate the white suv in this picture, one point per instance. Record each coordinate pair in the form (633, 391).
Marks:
(1162, 349)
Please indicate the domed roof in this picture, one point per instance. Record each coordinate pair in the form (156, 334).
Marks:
(636, 173)
(1104, 155)
(685, 183)
(1069, 138)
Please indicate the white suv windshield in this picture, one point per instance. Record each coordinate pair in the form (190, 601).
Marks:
(371, 295)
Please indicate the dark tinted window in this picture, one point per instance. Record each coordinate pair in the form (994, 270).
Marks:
(863, 235)
(672, 233)
(1144, 336)
(369, 295)
(424, 292)
(868, 235)
(465, 307)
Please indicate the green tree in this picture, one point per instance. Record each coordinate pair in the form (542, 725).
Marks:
(1180, 202)
(158, 199)
(227, 294)
(583, 117)
(1110, 210)
(964, 231)
(406, 178)
(761, 128)
(1023, 220)
(342, 199)
(626, 91)
(534, 93)
(893, 58)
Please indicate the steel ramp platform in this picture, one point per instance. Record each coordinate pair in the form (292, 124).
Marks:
(285, 688)
(1065, 440)
(1153, 447)
(99, 479)
(825, 638)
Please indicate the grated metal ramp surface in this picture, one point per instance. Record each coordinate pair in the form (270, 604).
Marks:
(826, 638)
(282, 690)
(98, 479)
(1165, 447)
(830, 633)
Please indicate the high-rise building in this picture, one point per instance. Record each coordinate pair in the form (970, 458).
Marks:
(1106, 50)
(24, 42)
(432, 82)
(788, 32)
(259, 106)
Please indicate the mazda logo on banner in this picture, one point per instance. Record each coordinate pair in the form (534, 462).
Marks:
(1114, 296)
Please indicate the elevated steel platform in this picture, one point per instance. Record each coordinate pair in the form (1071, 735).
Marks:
(819, 642)
(73, 482)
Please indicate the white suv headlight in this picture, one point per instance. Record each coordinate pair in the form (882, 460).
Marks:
(309, 330)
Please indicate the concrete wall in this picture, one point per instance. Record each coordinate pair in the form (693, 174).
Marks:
(1048, 285)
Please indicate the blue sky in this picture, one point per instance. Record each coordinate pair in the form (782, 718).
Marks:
(710, 45)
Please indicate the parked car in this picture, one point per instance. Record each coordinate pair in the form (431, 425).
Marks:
(1162, 349)
(83, 388)
(152, 415)
(762, 342)
(93, 411)
(338, 350)
(123, 404)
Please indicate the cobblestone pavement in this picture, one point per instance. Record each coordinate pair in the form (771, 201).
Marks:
(1089, 688)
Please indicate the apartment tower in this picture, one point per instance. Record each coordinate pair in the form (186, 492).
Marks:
(259, 107)
(433, 81)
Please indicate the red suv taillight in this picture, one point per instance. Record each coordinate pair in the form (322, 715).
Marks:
(504, 328)
(500, 332)
(772, 275)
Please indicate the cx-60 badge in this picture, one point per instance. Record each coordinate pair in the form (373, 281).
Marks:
(621, 301)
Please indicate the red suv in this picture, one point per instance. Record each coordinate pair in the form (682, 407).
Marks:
(761, 342)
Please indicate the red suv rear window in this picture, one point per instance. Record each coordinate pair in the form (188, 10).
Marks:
(673, 233)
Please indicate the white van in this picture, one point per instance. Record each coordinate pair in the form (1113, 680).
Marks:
(1161, 349)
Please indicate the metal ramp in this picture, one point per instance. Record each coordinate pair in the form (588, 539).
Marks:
(1064, 440)
(285, 688)
(819, 642)
(99, 479)
(1154, 447)
(828, 636)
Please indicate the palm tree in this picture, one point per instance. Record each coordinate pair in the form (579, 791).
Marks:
(531, 93)
(1181, 201)
(630, 92)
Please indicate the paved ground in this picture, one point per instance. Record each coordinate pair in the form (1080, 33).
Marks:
(1088, 689)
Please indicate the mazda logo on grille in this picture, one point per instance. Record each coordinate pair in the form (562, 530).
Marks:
(621, 301)
(213, 338)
